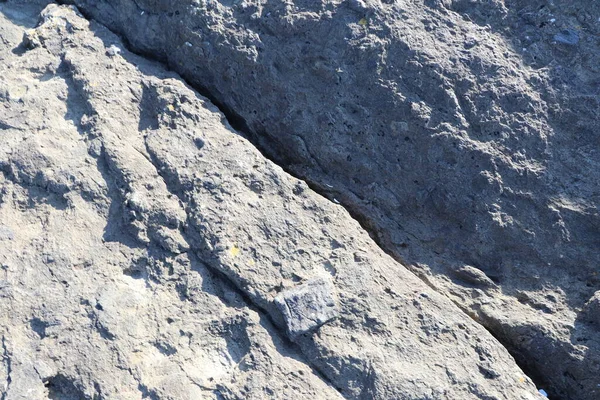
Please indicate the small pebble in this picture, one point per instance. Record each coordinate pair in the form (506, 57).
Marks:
(113, 51)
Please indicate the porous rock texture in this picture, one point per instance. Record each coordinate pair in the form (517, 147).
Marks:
(150, 251)
(462, 134)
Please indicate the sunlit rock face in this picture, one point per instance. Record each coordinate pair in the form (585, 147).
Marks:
(462, 136)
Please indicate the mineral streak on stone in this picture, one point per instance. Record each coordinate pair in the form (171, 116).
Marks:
(308, 306)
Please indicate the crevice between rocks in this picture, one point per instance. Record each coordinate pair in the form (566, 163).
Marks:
(238, 123)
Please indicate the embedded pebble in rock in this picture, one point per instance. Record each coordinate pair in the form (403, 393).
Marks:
(307, 306)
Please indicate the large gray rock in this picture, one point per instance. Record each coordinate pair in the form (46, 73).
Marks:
(462, 134)
(145, 246)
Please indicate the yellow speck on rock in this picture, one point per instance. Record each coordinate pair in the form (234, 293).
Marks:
(234, 251)
(363, 22)
(170, 107)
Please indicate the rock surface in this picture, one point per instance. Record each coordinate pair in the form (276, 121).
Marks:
(462, 134)
(147, 249)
